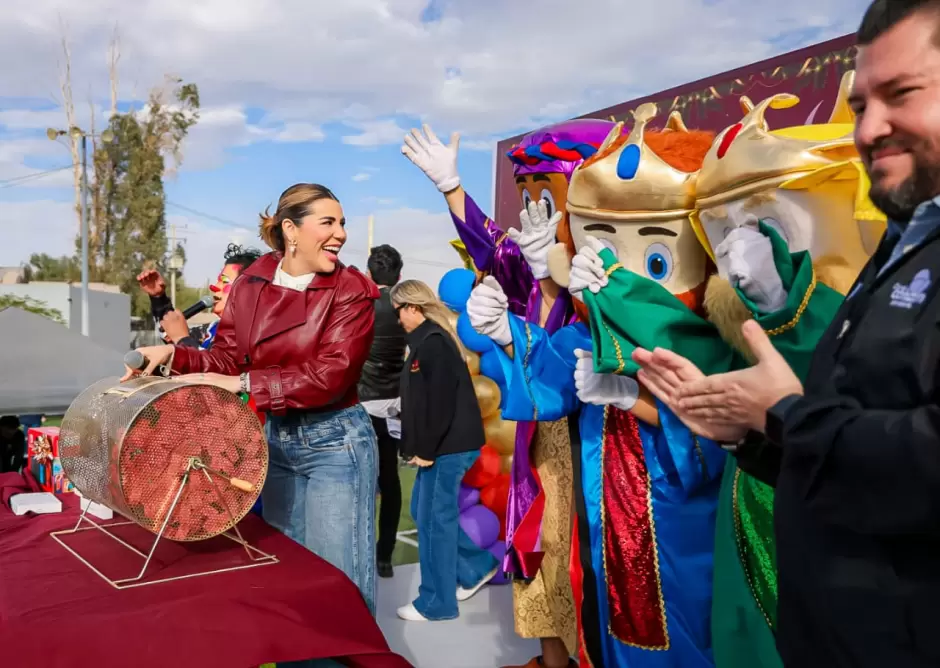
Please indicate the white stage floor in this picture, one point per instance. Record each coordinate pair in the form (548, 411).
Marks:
(482, 637)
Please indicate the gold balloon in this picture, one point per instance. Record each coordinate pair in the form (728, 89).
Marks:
(505, 464)
(473, 363)
(452, 319)
(487, 395)
(501, 435)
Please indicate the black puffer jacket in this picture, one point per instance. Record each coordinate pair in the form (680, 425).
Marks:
(381, 374)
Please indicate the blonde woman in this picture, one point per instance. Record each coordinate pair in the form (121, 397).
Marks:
(442, 432)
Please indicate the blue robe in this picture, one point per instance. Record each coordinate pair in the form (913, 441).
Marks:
(650, 531)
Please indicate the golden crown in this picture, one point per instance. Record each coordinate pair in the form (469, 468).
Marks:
(748, 157)
(626, 180)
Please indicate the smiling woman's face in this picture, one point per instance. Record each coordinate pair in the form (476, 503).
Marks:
(667, 252)
(222, 287)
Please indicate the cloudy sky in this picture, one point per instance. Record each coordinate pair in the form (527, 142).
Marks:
(317, 90)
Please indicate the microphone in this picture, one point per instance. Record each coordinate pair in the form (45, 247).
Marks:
(137, 361)
(205, 302)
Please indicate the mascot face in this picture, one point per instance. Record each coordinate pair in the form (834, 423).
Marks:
(806, 182)
(664, 251)
(550, 186)
(821, 221)
(635, 196)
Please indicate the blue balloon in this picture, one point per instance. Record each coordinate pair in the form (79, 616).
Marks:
(469, 336)
(491, 368)
(455, 287)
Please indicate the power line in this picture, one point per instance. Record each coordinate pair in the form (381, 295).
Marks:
(12, 183)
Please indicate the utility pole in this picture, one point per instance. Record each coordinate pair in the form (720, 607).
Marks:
(85, 324)
(371, 227)
(77, 133)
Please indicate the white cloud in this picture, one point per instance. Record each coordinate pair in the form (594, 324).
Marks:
(367, 60)
(375, 133)
(361, 176)
(38, 226)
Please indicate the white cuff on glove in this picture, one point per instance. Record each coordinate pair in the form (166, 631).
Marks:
(603, 389)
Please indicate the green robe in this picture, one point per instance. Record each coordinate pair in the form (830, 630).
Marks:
(745, 583)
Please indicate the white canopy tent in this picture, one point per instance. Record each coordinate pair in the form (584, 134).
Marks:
(44, 365)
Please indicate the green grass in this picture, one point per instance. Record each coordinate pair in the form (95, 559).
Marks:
(404, 553)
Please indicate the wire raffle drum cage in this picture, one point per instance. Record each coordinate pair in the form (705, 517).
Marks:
(185, 461)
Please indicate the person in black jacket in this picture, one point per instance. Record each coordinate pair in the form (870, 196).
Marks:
(12, 444)
(854, 451)
(235, 261)
(442, 433)
(378, 391)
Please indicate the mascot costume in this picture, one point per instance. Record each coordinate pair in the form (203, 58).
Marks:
(764, 197)
(646, 487)
(538, 517)
(767, 203)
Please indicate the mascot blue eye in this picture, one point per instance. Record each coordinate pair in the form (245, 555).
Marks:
(658, 262)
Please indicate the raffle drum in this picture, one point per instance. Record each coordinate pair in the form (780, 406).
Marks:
(185, 461)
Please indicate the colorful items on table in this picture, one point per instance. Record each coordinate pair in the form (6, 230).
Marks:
(44, 465)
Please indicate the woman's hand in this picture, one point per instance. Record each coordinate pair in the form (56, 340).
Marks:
(231, 384)
(175, 325)
(155, 356)
(423, 463)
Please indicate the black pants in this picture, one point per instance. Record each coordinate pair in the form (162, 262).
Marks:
(389, 488)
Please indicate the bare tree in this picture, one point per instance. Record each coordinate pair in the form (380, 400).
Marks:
(114, 56)
(68, 104)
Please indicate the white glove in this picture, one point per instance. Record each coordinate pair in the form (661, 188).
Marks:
(746, 259)
(587, 269)
(536, 237)
(437, 161)
(488, 311)
(603, 389)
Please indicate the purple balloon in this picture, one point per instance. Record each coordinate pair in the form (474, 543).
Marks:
(467, 497)
(498, 550)
(481, 525)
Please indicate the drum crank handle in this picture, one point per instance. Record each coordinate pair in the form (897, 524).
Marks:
(237, 483)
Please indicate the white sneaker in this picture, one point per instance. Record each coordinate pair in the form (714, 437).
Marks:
(464, 594)
(410, 614)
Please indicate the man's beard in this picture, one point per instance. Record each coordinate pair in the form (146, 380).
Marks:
(899, 203)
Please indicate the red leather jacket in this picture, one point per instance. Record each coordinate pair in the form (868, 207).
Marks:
(302, 350)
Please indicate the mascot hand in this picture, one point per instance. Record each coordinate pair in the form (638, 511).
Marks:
(488, 311)
(536, 237)
(587, 269)
(745, 258)
(603, 389)
(437, 161)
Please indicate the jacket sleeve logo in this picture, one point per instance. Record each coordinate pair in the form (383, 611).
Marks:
(908, 296)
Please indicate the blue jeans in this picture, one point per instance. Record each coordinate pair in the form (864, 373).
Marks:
(446, 554)
(320, 489)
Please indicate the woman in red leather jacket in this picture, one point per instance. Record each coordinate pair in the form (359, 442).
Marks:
(295, 334)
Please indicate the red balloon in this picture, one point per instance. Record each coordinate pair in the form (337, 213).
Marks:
(495, 496)
(484, 470)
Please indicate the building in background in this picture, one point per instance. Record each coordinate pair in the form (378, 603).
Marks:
(109, 311)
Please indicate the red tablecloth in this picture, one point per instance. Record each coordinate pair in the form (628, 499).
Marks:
(56, 613)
